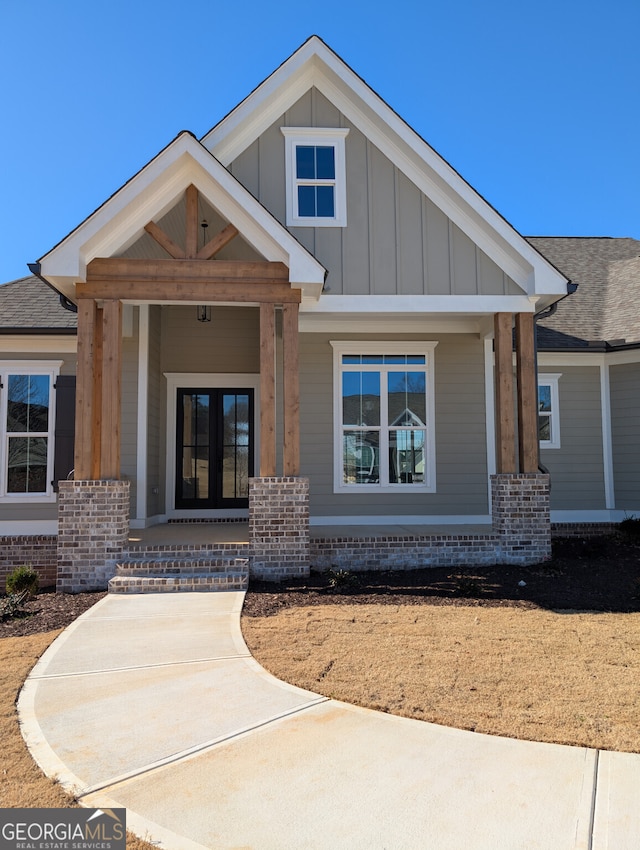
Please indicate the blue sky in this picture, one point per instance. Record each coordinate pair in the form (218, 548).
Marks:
(536, 105)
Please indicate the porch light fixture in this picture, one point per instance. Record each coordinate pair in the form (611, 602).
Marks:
(204, 311)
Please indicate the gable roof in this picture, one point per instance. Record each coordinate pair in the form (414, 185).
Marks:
(605, 310)
(154, 190)
(314, 64)
(29, 305)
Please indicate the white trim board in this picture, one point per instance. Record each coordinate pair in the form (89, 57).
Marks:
(28, 527)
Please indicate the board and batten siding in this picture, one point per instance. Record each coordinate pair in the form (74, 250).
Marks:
(396, 240)
(625, 433)
(461, 461)
(577, 467)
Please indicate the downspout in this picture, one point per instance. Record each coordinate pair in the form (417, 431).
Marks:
(545, 314)
(35, 270)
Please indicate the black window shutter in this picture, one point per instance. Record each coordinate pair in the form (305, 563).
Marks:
(65, 428)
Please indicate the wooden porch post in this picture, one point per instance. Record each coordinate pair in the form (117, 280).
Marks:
(85, 412)
(527, 393)
(505, 420)
(96, 430)
(267, 391)
(111, 386)
(291, 391)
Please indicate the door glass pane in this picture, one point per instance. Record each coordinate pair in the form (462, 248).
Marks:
(235, 445)
(195, 456)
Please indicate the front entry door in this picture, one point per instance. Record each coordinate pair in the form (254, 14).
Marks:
(214, 452)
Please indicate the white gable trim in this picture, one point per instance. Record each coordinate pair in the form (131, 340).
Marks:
(152, 192)
(314, 64)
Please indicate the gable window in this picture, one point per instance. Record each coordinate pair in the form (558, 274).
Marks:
(384, 438)
(315, 176)
(548, 411)
(27, 421)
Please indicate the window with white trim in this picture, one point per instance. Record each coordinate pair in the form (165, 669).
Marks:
(27, 423)
(315, 176)
(384, 437)
(548, 411)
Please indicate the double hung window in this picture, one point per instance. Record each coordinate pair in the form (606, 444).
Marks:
(384, 434)
(27, 430)
(548, 412)
(315, 176)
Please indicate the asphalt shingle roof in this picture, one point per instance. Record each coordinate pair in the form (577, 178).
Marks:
(606, 307)
(28, 304)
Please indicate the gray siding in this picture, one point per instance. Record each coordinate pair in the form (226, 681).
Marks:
(229, 343)
(577, 469)
(396, 240)
(625, 433)
(461, 462)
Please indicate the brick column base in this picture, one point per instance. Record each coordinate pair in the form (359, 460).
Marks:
(93, 531)
(521, 519)
(279, 527)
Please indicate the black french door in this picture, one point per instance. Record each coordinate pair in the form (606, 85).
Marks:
(214, 451)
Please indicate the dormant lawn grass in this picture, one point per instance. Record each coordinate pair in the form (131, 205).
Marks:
(23, 784)
(567, 678)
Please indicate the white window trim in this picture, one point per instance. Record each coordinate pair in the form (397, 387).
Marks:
(315, 136)
(427, 349)
(27, 367)
(551, 379)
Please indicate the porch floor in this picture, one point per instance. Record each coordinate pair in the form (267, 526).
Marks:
(238, 532)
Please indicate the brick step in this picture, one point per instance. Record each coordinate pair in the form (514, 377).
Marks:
(182, 566)
(192, 582)
(179, 552)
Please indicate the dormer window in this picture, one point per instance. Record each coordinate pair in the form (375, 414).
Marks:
(315, 175)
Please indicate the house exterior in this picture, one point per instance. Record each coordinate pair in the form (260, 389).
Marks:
(308, 318)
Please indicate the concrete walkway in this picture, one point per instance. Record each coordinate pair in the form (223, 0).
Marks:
(154, 703)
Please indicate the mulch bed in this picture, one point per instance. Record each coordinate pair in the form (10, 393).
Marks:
(595, 574)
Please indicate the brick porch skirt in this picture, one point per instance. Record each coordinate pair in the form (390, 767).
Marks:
(37, 551)
(93, 532)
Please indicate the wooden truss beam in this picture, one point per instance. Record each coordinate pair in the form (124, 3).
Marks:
(198, 292)
(164, 241)
(217, 243)
(117, 268)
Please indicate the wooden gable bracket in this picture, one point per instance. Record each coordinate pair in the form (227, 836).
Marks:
(209, 250)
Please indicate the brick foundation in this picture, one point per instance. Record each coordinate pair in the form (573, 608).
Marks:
(279, 527)
(521, 520)
(93, 532)
(37, 551)
(403, 553)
